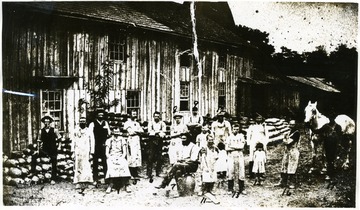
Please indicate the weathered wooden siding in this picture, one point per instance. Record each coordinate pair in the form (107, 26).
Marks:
(56, 48)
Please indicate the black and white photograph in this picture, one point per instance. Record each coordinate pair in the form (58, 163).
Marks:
(179, 104)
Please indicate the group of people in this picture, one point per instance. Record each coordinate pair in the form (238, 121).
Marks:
(211, 153)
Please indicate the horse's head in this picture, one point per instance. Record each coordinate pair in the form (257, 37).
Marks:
(310, 111)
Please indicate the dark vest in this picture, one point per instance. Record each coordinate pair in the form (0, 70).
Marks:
(49, 141)
(100, 133)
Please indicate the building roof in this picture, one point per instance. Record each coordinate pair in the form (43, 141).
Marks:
(315, 82)
(167, 17)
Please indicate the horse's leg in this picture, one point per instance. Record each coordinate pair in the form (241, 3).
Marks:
(348, 141)
(324, 161)
(330, 147)
(313, 154)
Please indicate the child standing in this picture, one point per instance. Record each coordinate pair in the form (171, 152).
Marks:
(257, 133)
(118, 172)
(209, 155)
(259, 163)
(201, 142)
(201, 138)
(234, 146)
(221, 165)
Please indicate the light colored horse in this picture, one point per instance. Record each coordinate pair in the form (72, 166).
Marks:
(316, 121)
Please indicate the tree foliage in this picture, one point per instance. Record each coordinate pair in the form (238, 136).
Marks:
(257, 38)
(103, 83)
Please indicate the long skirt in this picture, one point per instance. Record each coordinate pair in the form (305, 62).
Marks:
(117, 167)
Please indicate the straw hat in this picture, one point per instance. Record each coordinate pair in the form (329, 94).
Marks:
(116, 131)
(47, 117)
(177, 115)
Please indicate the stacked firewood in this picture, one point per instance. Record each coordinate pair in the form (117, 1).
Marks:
(277, 128)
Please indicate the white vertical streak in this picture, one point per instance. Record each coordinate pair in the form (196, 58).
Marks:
(196, 52)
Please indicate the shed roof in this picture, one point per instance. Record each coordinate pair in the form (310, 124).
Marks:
(316, 82)
(168, 17)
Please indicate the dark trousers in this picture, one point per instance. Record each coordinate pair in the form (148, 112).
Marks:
(53, 160)
(99, 154)
(154, 155)
(178, 170)
(330, 146)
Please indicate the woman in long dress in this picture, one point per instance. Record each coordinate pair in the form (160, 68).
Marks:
(118, 172)
(83, 145)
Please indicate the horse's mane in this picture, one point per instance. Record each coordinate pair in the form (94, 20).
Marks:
(322, 120)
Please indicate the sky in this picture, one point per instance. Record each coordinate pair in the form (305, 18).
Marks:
(301, 26)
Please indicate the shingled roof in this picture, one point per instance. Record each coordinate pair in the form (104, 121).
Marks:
(167, 17)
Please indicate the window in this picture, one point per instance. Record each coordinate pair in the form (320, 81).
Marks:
(222, 61)
(51, 102)
(222, 95)
(185, 60)
(184, 95)
(117, 47)
(132, 101)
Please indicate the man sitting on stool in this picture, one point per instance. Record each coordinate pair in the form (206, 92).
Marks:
(188, 162)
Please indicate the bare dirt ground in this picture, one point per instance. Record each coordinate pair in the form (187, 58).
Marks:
(311, 191)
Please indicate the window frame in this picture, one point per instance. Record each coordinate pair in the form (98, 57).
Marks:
(222, 94)
(117, 47)
(186, 97)
(222, 61)
(58, 118)
(133, 93)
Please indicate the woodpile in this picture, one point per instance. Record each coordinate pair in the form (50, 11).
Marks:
(277, 128)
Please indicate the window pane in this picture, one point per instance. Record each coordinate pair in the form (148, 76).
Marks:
(222, 101)
(57, 105)
(184, 105)
(51, 95)
(51, 105)
(57, 96)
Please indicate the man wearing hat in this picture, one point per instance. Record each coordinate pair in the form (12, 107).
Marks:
(195, 122)
(187, 163)
(257, 133)
(101, 131)
(47, 140)
(290, 158)
(221, 128)
(177, 130)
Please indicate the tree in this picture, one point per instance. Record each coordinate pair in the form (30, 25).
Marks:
(257, 38)
(289, 62)
(100, 93)
(317, 57)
